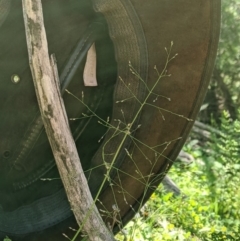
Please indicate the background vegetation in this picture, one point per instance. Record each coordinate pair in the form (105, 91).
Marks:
(209, 205)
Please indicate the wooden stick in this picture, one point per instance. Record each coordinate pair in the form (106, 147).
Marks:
(46, 82)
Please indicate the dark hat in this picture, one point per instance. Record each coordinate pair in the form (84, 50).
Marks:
(154, 62)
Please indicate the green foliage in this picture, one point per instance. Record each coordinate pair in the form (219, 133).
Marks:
(209, 207)
(229, 49)
(225, 83)
(223, 174)
(228, 60)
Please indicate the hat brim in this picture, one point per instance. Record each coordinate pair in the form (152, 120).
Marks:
(194, 30)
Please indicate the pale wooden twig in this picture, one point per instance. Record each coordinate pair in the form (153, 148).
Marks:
(45, 77)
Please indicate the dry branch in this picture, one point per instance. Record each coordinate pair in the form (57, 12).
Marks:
(45, 77)
(206, 131)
